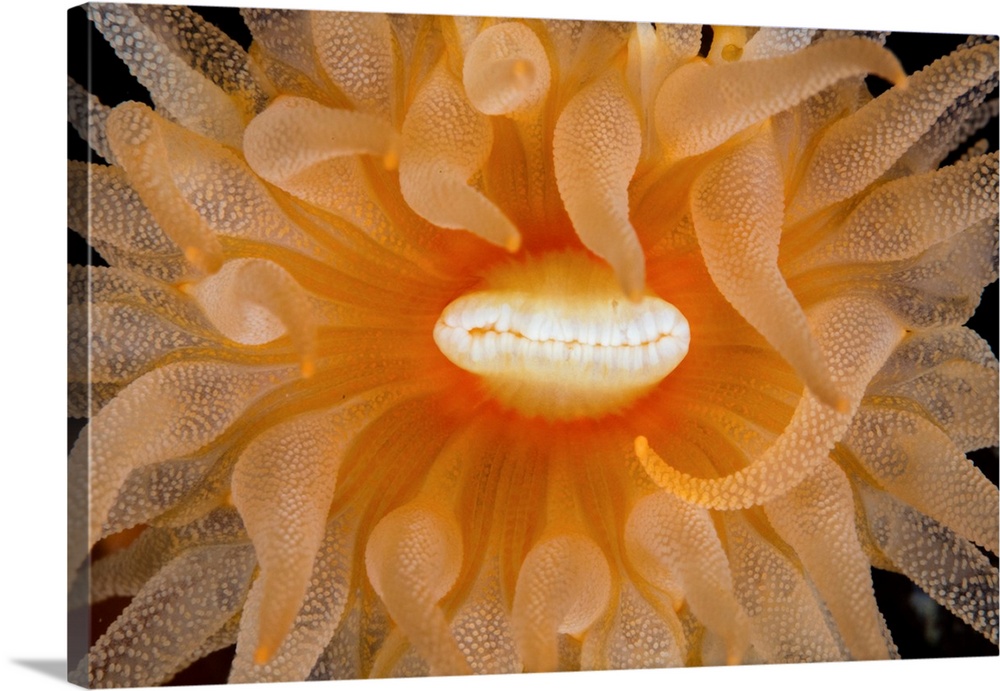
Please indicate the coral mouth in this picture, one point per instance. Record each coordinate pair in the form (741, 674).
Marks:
(554, 337)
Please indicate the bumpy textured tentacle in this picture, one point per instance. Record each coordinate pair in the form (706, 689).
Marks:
(737, 206)
(961, 578)
(699, 107)
(787, 623)
(134, 133)
(194, 72)
(596, 146)
(176, 612)
(913, 459)
(639, 636)
(858, 149)
(326, 598)
(436, 162)
(355, 51)
(563, 586)
(770, 42)
(254, 301)
(857, 336)
(124, 436)
(88, 116)
(506, 70)
(922, 210)
(952, 374)
(664, 532)
(413, 558)
(295, 134)
(817, 519)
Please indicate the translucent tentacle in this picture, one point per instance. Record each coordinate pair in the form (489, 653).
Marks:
(700, 106)
(737, 207)
(254, 301)
(596, 146)
(316, 622)
(858, 149)
(158, 417)
(413, 558)
(921, 210)
(176, 612)
(355, 50)
(817, 519)
(946, 567)
(787, 623)
(295, 134)
(135, 138)
(195, 73)
(445, 142)
(857, 336)
(953, 375)
(770, 42)
(88, 117)
(506, 70)
(917, 462)
(563, 586)
(665, 532)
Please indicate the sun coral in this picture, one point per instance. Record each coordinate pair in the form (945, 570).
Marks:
(437, 345)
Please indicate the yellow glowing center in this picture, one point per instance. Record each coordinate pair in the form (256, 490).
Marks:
(554, 337)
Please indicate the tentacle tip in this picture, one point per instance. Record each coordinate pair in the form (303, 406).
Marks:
(520, 68)
(262, 655)
(207, 262)
(842, 404)
(641, 447)
(390, 159)
(513, 242)
(307, 368)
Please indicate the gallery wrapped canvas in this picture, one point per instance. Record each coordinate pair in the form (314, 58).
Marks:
(421, 345)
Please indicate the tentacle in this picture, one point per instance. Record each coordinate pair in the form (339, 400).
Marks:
(105, 210)
(506, 70)
(920, 210)
(175, 613)
(297, 460)
(280, 33)
(413, 558)
(194, 72)
(254, 301)
(172, 411)
(88, 116)
(563, 586)
(857, 336)
(134, 133)
(640, 636)
(296, 134)
(596, 146)
(324, 604)
(665, 532)
(770, 42)
(737, 206)
(817, 519)
(787, 623)
(953, 375)
(917, 462)
(355, 50)
(858, 149)
(445, 142)
(946, 567)
(700, 106)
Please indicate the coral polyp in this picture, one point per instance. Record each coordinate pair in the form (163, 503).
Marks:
(449, 345)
